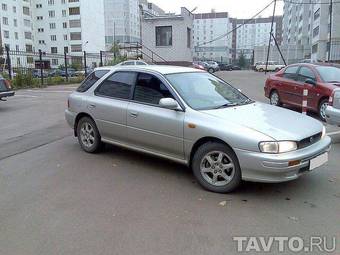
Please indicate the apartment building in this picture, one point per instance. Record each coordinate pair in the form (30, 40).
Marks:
(254, 33)
(150, 9)
(207, 27)
(307, 26)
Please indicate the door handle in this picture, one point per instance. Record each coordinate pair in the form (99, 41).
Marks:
(134, 114)
(91, 106)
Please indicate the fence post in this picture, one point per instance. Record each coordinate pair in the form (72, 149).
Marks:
(304, 99)
(9, 65)
(85, 63)
(101, 58)
(41, 69)
(65, 60)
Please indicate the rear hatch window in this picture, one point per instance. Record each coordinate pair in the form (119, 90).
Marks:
(3, 85)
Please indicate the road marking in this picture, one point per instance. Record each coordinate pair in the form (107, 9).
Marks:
(333, 133)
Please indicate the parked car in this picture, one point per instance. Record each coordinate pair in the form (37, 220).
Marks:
(214, 65)
(236, 67)
(200, 65)
(192, 117)
(5, 89)
(36, 73)
(286, 86)
(82, 72)
(225, 67)
(272, 66)
(333, 108)
(133, 63)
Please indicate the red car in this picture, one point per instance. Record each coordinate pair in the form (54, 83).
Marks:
(286, 86)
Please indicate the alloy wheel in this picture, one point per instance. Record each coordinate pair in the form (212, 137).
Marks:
(217, 168)
(87, 135)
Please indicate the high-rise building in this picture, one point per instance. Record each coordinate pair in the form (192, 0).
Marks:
(308, 27)
(207, 28)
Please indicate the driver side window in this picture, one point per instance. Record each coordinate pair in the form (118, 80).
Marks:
(306, 73)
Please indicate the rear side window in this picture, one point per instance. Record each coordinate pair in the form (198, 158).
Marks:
(91, 79)
(290, 72)
(118, 85)
(2, 85)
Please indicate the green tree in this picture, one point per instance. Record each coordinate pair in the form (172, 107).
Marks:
(115, 49)
(242, 60)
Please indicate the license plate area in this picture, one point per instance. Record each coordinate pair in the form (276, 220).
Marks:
(318, 161)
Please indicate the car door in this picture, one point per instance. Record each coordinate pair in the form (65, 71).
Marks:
(150, 126)
(305, 73)
(290, 90)
(109, 105)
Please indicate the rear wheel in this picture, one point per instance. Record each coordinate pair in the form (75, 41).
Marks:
(216, 167)
(275, 98)
(261, 69)
(210, 70)
(322, 109)
(88, 135)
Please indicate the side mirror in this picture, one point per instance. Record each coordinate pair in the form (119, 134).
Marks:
(169, 103)
(310, 81)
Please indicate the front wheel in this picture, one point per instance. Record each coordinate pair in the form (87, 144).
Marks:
(210, 70)
(275, 98)
(216, 168)
(322, 109)
(88, 135)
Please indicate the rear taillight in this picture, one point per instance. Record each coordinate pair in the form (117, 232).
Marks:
(8, 84)
(331, 99)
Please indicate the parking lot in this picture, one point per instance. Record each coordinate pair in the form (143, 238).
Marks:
(57, 199)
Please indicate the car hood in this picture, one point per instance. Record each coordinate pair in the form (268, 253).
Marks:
(275, 122)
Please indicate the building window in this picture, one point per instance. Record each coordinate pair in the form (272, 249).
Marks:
(317, 14)
(51, 14)
(65, 37)
(53, 37)
(50, 2)
(4, 7)
(64, 25)
(41, 41)
(40, 30)
(54, 61)
(75, 23)
(26, 10)
(54, 50)
(14, 9)
(29, 48)
(5, 20)
(66, 49)
(6, 34)
(74, 11)
(63, 13)
(16, 35)
(28, 35)
(38, 6)
(316, 31)
(73, 1)
(40, 18)
(164, 36)
(52, 26)
(314, 48)
(75, 36)
(76, 48)
(15, 22)
(188, 37)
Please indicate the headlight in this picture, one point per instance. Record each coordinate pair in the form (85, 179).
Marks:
(277, 147)
(323, 132)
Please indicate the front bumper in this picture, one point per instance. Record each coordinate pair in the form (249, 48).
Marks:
(262, 167)
(333, 115)
(6, 94)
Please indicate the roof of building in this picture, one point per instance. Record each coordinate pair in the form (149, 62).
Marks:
(211, 15)
(162, 69)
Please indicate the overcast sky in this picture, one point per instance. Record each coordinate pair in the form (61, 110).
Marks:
(236, 8)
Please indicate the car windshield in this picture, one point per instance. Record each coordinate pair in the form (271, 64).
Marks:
(329, 73)
(203, 91)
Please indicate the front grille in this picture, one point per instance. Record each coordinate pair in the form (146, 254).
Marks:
(309, 140)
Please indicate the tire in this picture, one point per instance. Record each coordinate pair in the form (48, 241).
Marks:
(275, 98)
(261, 70)
(276, 70)
(210, 70)
(211, 162)
(322, 107)
(88, 135)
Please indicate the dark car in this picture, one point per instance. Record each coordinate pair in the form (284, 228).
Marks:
(36, 73)
(5, 89)
(287, 85)
(236, 67)
(225, 67)
(62, 72)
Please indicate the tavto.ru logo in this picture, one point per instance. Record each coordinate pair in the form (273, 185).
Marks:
(319, 244)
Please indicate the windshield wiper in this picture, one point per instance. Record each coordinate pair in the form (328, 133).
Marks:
(226, 105)
(247, 101)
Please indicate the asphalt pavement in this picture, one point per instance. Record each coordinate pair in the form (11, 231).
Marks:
(57, 199)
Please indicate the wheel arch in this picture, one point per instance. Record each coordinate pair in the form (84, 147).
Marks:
(76, 121)
(204, 140)
(321, 99)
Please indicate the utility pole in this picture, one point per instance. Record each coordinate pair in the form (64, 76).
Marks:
(330, 29)
(270, 35)
(114, 40)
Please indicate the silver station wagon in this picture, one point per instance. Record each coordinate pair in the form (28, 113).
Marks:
(192, 117)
